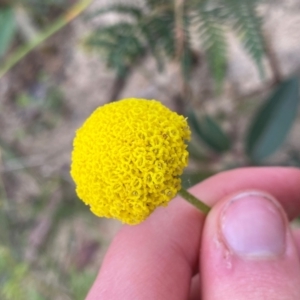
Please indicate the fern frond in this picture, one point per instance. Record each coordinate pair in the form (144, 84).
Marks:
(119, 44)
(154, 4)
(117, 30)
(248, 24)
(213, 38)
(130, 10)
(159, 30)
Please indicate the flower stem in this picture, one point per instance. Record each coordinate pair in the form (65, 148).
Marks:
(194, 201)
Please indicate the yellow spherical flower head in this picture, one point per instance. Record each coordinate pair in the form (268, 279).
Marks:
(128, 157)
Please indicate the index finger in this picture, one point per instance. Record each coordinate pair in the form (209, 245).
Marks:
(157, 259)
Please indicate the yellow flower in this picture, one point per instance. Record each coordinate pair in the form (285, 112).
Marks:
(128, 157)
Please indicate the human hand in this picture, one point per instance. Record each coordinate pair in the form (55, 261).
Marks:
(244, 250)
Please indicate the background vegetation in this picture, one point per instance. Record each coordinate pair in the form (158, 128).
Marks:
(50, 245)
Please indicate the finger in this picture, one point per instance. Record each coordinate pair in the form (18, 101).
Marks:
(248, 251)
(282, 183)
(195, 290)
(157, 259)
(153, 260)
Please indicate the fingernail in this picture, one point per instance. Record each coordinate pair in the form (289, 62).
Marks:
(253, 226)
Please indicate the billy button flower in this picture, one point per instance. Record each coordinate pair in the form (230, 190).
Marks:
(127, 159)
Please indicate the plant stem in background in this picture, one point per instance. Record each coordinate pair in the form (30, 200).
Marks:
(194, 201)
(77, 9)
(179, 27)
(273, 60)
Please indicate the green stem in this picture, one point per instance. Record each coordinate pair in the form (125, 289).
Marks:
(194, 201)
(60, 23)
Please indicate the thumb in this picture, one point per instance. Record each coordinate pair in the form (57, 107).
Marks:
(248, 251)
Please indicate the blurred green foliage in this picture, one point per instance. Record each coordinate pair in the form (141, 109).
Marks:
(166, 31)
(41, 108)
(40, 11)
(8, 28)
(17, 281)
(273, 120)
(267, 132)
(208, 130)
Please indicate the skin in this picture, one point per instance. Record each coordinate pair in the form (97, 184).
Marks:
(162, 257)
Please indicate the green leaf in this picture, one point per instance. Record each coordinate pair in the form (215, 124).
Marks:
(248, 25)
(7, 28)
(213, 38)
(273, 121)
(209, 132)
